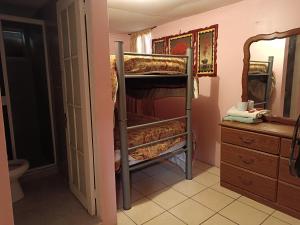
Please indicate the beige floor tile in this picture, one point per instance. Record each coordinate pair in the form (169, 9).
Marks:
(137, 176)
(243, 214)
(135, 196)
(165, 219)
(169, 178)
(167, 198)
(189, 187)
(201, 165)
(207, 179)
(218, 220)
(213, 199)
(172, 167)
(214, 170)
(197, 171)
(143, 211)
(148, 186)
(273, 221)
(219, 188)
(191, 212)
(286, 218)
(123, 219)
(153, 170)
(256, 205)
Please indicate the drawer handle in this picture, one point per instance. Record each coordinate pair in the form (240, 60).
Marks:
(247, 140)
(245, 182)
(246, 161)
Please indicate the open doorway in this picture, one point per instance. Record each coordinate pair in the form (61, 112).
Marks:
(36, 119)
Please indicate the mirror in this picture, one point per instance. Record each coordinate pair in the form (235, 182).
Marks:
(271, 74)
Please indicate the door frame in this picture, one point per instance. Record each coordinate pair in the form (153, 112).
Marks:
(5, 78)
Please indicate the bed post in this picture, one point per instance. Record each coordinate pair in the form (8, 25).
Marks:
(123, 126)
(188, 109)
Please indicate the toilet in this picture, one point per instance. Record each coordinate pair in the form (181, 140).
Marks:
(16, 169)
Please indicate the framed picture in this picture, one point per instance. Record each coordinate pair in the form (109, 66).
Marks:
(207, 51)
(159, 46)
(179, 43)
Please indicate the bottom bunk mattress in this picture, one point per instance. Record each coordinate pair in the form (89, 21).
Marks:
(148, 134)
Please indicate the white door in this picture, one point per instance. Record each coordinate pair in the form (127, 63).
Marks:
(73, 57)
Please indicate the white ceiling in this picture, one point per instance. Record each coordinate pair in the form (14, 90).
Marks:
(127, 16)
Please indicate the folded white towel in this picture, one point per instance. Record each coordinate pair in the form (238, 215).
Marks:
(233, 111)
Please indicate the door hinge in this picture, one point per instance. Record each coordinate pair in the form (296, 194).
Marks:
(83, 7)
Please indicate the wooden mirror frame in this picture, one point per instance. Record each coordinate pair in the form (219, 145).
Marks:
(247, 55)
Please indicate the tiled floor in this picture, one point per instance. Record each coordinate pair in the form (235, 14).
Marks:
(48, 201)
(161, 196)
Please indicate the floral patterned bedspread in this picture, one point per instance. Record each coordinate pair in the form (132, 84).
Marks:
(148, 134)
(256, 68)
(146, 65)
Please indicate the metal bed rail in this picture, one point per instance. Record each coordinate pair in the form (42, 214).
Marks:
(154, 75)
(157, 159)
(156, 122)
(155, 55)
(123, 128)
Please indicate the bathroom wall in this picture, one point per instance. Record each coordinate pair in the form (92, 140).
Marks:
(118, 37)
(237, 22)
(48, 14)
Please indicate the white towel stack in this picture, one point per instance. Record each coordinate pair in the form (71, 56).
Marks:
(254, 116)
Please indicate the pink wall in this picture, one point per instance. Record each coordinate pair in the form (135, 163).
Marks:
(118, 37)
(237, 23)
(6, 212)
(260, 51)
(98, 38)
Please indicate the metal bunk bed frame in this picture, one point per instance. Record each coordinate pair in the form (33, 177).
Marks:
(266, 101)
(123, 128)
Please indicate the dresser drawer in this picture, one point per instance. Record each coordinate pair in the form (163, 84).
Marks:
(285, 147)
(252, 140)
(284, 173)
(259, 162)
(289, 195)
(247, 180)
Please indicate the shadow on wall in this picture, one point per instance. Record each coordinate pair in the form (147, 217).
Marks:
(205, 118)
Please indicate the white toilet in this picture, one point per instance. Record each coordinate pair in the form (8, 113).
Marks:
(16, 169)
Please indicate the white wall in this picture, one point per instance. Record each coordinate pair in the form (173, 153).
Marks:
(118, 37)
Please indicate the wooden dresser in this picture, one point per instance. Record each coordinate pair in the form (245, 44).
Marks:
(254, 162)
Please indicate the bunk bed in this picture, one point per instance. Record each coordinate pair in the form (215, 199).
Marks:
(144, 140)
(260, 81)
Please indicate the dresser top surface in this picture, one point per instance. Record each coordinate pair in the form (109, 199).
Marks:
(265, 127)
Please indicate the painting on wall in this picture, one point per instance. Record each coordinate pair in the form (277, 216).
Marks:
(178, 44)
(207, 51)
(159, 46)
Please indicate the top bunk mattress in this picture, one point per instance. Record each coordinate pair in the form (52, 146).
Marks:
(152, 64)
(135, 65)
(257, 68)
